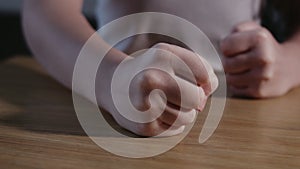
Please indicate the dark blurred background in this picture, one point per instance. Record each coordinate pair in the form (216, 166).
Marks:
(12, 40)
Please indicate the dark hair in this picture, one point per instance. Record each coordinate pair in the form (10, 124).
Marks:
(282, 17)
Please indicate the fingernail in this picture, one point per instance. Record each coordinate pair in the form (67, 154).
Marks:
(202, 104)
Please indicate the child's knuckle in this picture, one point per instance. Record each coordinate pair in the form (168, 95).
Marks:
(261, 36)
(151, 80)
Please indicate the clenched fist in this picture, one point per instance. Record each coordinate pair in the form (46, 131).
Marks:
(256, 65)
(168, 85)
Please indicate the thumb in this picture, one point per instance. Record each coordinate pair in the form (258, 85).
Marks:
(246, 26)
(213, 82)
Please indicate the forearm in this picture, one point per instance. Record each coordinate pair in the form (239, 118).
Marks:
(55, 35)
(56, 30)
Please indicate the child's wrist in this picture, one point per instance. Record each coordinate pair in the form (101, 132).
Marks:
(291, 53)
(104, 77)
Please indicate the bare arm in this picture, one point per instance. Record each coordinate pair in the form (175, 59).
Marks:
(55, 31)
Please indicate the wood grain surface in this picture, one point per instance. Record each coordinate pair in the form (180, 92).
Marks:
(39, 129)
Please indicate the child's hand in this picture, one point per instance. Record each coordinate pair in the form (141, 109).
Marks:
(255, 63)
(195, 92)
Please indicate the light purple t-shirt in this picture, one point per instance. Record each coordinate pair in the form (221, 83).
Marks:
(215, 18)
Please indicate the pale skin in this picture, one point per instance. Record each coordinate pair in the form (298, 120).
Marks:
(195, 89)
(256, 65)
(56, 31)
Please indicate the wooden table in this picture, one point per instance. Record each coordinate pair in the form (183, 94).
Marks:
(39, 129)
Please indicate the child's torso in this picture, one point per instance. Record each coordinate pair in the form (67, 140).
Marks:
(215, 18)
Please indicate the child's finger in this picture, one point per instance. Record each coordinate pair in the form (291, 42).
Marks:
(246, 26)
(245, 79)
(241, 92)
(238, 43)
(185, 94)
(241, 63)
(174, 117)
(193, 62)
